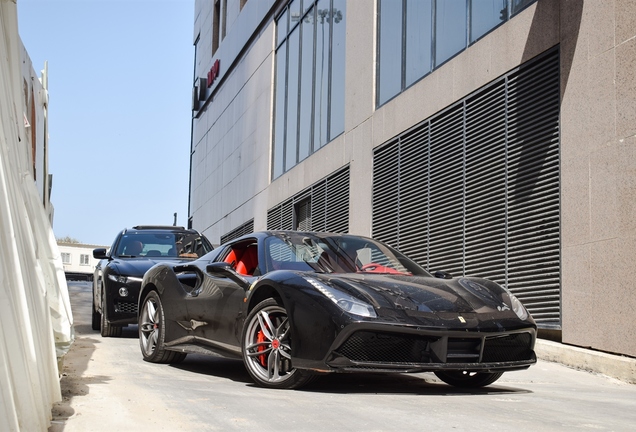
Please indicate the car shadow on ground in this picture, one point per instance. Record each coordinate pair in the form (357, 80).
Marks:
(347, 383)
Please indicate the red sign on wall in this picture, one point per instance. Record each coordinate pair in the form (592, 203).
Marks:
(214, 72)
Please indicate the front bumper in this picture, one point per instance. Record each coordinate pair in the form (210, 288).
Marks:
(387, 349)
(122, 310)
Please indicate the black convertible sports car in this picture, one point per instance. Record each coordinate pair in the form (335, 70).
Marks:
(294, 305)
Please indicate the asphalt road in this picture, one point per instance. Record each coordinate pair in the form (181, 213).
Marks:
(106, 386)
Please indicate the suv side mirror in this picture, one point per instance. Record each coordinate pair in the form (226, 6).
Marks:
(99, 253)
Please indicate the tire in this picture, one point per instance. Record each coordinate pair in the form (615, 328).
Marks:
(152, 334)
(468, 379)
(96, 321)
(266, 346)
(106, 329)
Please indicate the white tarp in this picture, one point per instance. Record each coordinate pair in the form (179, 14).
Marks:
(36, 324)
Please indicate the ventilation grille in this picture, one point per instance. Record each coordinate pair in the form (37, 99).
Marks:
(474, 190)
(246, 228)
(324, 206)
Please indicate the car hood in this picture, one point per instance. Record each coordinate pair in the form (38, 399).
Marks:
(422, 294)
(137, 267)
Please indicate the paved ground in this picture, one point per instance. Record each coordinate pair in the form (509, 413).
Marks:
(108, 387)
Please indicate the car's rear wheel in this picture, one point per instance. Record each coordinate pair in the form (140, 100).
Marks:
(106, 329)
(468, 379)
(152, 333)
(267, 347)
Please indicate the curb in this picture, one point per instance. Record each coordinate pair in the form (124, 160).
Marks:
(615, 366)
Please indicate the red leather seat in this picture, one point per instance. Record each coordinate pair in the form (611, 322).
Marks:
(248, 261)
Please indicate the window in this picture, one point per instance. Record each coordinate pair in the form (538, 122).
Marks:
(486, 15)
(84, 259)
(450, 29)
(66, 258)
(302, 215)
(417, 36)
(309, 79)
(216, 21)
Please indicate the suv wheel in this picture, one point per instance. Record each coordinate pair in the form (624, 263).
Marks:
(108, 330)
(96, 316)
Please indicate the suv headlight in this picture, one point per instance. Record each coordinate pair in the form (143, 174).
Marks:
(344, 301)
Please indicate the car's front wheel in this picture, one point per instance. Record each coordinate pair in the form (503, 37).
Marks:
(106, 328)
(96, 316)
(468, 379)
(96, 319)
(267, 347)
(152, 334)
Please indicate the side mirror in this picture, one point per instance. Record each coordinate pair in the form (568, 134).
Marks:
(442, 275)
(224, 269)
(99, 253)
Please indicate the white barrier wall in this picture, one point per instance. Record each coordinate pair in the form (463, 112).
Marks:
(35, 314)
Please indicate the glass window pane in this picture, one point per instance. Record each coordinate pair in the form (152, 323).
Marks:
(292, 99)
(419, 20)
(339, 26)
(450, 35)
(485, 15)
(519, 5)
(389, 49)
(322, 74)
(294, 13)
(306, 87)
(279, 111)
(281, 31)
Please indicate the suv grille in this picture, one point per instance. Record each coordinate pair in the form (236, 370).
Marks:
(125, 307)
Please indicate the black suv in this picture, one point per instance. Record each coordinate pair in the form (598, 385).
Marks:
(118, 274)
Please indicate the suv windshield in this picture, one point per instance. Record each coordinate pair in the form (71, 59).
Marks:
(165, 244)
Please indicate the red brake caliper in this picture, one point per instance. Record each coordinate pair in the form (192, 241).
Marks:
(261, 338)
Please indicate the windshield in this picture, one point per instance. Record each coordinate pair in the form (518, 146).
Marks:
(336, 254)
(168, 245)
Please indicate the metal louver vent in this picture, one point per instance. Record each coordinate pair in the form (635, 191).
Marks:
(474, 190)
(324, 206)
(246, 228)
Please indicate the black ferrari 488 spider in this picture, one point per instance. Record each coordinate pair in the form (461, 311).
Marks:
(293, 305)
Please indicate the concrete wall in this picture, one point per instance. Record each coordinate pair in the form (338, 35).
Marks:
(598, 175)
(232, 139)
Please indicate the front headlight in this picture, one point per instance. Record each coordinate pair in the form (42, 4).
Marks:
(124, 279)
(344, 301)
(517, 307)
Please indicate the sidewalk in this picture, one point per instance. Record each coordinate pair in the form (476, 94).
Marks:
(615, 366)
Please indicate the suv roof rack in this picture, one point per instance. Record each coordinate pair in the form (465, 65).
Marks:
(142, 227)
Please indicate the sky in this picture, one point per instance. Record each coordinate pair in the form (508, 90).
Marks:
(120, 85)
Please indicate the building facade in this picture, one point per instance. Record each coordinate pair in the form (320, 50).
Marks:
(78, 260)
(481, 137)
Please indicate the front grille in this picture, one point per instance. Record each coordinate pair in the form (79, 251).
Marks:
(463, 350)
(386, 348)
(125, 307)
(389, 348)
(514, 347)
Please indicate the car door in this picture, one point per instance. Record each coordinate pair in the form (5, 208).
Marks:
(218, 305)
